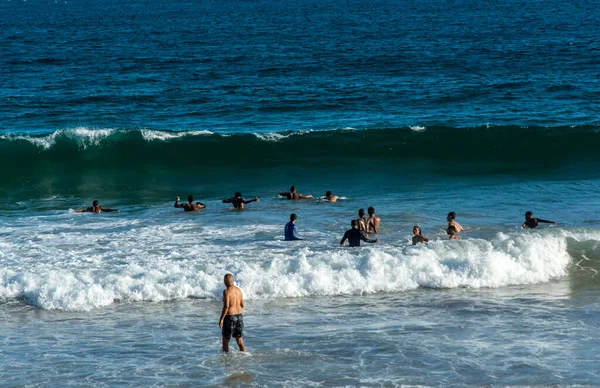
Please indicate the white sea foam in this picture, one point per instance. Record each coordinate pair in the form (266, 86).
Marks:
(51, 269)
(84, 137)
(417, 128)
(150, 135)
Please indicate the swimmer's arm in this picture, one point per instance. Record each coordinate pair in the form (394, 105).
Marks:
(343, 241)
(524, 226)
(80, 211)
(284, 193)
(201, 205)
(225, 308)
(177, 204)
(251, 200)
(109, 210)
(546, 221)
(301, 196)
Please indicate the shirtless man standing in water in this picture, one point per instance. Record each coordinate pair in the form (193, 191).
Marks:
(231, 321)
(373, 222)
(362, 221)
(190, 206)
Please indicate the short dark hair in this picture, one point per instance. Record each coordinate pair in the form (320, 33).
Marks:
(292, 189)
(371, 210)
(293, 217)
(328, 193)
(528, 214)
(361, 212)
(354, 223)
(190, 198)
(452, 215)
(95, 203)
(238, 194)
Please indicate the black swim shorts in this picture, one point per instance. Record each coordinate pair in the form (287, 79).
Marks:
(233, 326)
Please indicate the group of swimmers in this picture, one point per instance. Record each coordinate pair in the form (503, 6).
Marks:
(231, 321)
(361, 228)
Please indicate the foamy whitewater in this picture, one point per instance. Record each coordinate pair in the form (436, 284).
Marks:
(73, 263)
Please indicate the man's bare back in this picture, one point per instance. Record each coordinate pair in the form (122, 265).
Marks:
(190, 206)
(373, 222)
(233, 300)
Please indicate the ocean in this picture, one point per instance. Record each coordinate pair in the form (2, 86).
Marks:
(486, 108)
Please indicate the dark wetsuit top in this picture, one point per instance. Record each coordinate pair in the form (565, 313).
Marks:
(534, 222)
(290, 232)
(354, 236)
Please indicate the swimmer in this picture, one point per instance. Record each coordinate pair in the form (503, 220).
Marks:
(418, 237)
(330, 197)
(239, 202)
(373, 222)
(232, 321)
(290, 229)
(96, 208)
(531, 222)
(454, 228)
(292, 194)
(354, 236)
(362, 221)
(190, 206)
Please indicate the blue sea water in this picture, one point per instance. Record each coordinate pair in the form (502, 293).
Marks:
(418, 108)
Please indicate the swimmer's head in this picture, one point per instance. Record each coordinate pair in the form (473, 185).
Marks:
(228, 280)
(528, 215)
(238, 195)
(451, 216)
(417, 230)
(293, 189)
(95, 203)
(328, 193)
(361, 212)
(371, 210)
(190, 198)
(293, 217)
(354, 223)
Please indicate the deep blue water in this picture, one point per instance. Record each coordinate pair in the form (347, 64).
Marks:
(485, 108)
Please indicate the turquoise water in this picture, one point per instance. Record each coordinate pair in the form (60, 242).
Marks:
(416, 108)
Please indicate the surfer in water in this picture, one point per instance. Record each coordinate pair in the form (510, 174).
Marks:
(96, 208)
(354, 236)
(330, 197)
(232, 321)
(290, 229)
(531, 222)
(292, 194)
(454, 228)
(418, 237)
(373, 222)
(190, 206)
(238, 201)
